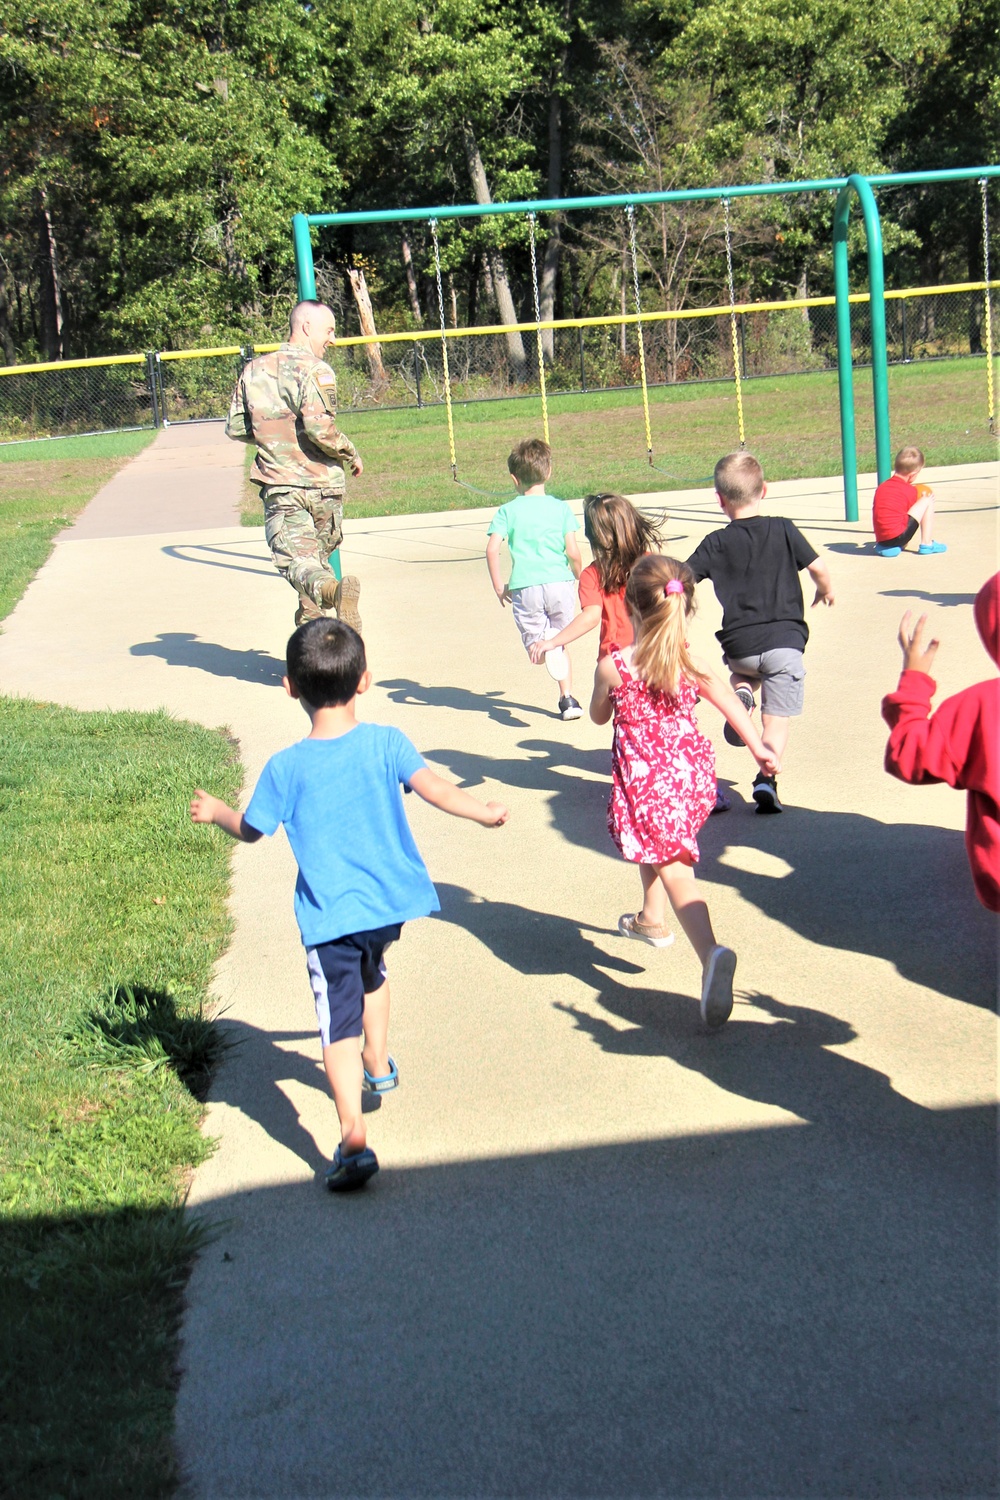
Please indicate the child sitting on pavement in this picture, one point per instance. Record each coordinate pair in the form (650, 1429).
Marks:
(901, 507)
(539, 530)
(959, 743)
(337, 792)
(754, 565)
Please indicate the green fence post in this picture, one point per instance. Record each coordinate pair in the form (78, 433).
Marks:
(845, 357)
(880, 366)
(305, 274)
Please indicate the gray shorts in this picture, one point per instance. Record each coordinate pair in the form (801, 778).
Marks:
(543, 609)
(781, 674)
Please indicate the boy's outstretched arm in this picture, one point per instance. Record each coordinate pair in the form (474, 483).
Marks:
(820, 575)
(208, 809)
(573, 554)
(452, 799)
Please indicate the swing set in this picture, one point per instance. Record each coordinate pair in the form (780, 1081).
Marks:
(846, 188)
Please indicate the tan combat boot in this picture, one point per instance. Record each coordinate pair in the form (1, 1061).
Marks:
(346, 601)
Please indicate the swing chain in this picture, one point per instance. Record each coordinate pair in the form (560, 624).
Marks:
(987, 308)
(538, 330)
(630, 217)
(733, 328)
(444, 351)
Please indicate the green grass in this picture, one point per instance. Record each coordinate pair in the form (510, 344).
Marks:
(792, 423)
(114, 913)
(43, 485)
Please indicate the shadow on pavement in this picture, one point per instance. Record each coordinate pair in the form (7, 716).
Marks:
(404, 690)
(946, 601)
(179, 648)
(898, 891)
(808, 1310)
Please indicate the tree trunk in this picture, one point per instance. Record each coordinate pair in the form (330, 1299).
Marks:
(52, 321)
(411, 282)
(373, 352)
(501, 286)
(553, 247)
(6, 321)
(491, 295)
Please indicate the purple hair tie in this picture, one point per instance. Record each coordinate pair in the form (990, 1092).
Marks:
(675, 586)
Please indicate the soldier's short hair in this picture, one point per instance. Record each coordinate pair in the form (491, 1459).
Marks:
(531, 462)
(739, 479)
(302, 310)
(325, 660)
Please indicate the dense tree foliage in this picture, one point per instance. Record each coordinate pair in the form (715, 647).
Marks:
(155, 150)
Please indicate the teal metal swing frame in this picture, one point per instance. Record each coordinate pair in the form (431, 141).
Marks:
(847, 189)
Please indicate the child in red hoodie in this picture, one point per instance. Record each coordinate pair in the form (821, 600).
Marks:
(960, 743)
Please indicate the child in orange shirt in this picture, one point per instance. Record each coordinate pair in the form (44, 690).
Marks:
(618, 535)
(901, 507)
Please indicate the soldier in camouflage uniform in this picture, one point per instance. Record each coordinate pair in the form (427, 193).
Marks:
(286, 403)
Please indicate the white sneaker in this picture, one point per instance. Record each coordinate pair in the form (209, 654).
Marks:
(557, 664)
(717, 986)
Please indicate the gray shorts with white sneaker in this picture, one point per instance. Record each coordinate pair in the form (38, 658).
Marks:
(543, 609)
(781, 674)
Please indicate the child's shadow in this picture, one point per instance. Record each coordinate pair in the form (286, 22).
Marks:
(179, 648)
(249, 1080)
(577, 780)
(785, 1063)
(405, 690)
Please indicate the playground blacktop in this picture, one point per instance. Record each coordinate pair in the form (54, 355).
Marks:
(607, 1254)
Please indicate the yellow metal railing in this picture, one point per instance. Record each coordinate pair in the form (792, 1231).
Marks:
(615, 320)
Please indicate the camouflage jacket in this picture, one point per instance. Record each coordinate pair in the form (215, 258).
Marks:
(286, 403)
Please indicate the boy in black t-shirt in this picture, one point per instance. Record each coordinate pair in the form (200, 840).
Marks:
(754, 565)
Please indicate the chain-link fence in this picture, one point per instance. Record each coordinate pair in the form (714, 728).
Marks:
(74, 397)
(407, 371)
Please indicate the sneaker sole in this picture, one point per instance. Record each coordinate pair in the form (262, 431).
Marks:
(571, 713)
(717, 988)
(348, 1179)
(766, 800)
(642, 937)
(345, 602)
(731, 735)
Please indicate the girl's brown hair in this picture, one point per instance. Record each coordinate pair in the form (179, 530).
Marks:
(661, 655)
(619, 535)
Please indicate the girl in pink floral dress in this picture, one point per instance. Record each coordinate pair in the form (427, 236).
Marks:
(663, 767)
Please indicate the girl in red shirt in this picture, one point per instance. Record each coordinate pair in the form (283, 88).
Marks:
(618, 535)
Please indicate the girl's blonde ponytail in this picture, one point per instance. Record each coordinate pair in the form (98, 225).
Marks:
(661, 655)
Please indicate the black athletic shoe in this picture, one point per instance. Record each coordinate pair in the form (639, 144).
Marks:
(570, 709)
(746, 698)
(765, 794)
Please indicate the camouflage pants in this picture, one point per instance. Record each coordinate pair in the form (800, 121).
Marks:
(302, 527)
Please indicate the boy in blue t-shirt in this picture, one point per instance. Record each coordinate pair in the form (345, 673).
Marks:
(337, 792)
(539, 531)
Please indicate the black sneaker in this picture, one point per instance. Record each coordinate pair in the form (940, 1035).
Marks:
(570, 709)
(746, 698)
(765, 794)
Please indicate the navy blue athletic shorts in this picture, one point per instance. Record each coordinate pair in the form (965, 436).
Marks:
(342, 973)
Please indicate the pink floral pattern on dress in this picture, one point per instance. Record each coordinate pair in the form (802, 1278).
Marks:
(662, 771)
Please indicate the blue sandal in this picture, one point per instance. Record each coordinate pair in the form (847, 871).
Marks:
(345, 1173)
(385, 1084)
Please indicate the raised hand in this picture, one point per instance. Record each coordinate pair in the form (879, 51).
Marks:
(917, 656)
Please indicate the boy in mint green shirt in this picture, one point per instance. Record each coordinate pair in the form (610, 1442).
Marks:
(540, 534)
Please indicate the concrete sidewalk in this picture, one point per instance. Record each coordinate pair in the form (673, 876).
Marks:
(607, 1255)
